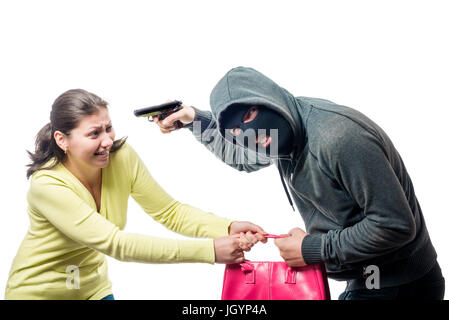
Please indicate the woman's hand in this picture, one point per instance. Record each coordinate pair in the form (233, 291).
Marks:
(242, 236)
(227, 250)
(249, 234)
(186, 115)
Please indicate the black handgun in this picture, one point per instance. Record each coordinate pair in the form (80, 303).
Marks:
(162, 110)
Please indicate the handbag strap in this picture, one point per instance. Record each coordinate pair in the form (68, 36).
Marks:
(250, 273)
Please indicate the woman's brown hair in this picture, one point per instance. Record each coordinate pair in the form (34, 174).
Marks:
(66, 113)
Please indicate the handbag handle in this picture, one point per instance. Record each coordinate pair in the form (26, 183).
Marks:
(248, 268)
(290, 275)
(250, 273)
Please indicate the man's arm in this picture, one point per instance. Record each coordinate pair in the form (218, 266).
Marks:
(204, 128)
(363, 169)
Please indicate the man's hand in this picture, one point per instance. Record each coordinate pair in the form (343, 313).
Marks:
(186, 115)
(290, 247)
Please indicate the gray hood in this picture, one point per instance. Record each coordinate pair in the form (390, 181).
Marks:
(247, 86)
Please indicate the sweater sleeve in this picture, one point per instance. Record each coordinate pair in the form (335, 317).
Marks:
(73, 217)
(363, 169)
(59, 203)
(181, 218)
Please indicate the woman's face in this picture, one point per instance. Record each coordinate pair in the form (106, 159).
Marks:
(88, 145)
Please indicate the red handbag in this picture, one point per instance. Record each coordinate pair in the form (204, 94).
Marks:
(268, 280)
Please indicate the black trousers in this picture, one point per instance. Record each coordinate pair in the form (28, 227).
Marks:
(430, 287)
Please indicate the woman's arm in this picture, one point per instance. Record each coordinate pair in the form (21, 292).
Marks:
(71, 215)
(181, 218)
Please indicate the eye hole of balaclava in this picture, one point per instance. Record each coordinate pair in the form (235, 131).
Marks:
(257, 128)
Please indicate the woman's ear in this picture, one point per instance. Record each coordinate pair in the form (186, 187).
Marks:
(61, 140)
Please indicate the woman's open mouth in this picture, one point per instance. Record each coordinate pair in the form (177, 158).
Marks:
(103, 154)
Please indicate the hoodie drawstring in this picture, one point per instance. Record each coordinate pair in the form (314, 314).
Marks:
(283, 184)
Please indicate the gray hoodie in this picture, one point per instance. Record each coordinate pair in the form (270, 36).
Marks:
(345, 176)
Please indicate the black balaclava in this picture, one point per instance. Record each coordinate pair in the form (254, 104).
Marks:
(265, 121)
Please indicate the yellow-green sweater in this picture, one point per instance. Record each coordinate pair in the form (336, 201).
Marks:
(68, 236)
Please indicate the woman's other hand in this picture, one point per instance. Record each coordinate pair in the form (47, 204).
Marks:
(227, 250)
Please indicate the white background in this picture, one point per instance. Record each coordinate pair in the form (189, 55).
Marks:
(388, 59)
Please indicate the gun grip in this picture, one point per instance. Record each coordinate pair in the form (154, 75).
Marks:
(178, 124)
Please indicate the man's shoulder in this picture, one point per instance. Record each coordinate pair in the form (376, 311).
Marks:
(332, 127)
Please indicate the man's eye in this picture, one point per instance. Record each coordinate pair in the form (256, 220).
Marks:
(236, 131)
(109, 128)
(95, 133)
(250, 115)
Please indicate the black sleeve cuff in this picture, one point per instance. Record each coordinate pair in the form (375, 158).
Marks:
(311, 249)
(203, 117)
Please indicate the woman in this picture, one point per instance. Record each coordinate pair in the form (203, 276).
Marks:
(81, 179)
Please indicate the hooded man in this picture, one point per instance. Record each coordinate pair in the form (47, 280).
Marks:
(344, 174)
